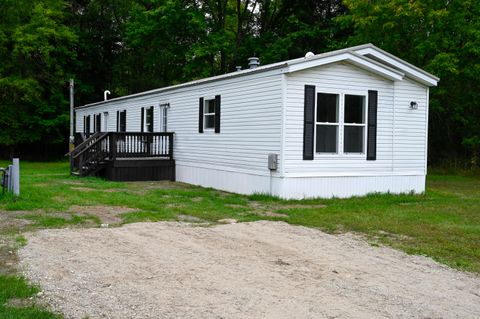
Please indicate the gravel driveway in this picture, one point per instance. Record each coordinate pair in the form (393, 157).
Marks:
(246, 270)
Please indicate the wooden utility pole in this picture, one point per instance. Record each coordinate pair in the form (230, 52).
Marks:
(72, 137)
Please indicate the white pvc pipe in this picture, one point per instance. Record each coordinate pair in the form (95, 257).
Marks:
(105, 93)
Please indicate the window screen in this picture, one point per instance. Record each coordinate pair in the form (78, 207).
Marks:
(354, 124)
(209, 114)
(327, 123)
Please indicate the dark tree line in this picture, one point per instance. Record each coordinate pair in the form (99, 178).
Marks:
(128, 46)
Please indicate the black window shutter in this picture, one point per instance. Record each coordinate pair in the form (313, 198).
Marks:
(118, 121)
(308, 122)
(123, 122)
(84, 124)
(372, 126)
(99, 122)
(200, 115)
(87, 126)
(217, 113)
(142, 123)
(150, 121)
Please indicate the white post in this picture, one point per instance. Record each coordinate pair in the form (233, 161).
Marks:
(16, 176)
(9, 178)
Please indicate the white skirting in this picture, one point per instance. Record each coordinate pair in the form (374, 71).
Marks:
(299, 187)
(235, 182)
(348, 186)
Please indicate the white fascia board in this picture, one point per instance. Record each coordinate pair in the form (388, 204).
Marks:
(353, 58)
(410, 70)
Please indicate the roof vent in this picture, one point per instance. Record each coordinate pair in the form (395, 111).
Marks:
(309, 54)
(238, 68)
(253, 62)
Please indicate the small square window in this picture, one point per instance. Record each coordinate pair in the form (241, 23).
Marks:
(209, 114)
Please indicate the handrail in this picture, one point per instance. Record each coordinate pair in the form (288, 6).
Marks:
(80, 146)
(98, 140)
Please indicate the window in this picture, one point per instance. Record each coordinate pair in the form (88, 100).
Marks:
(147, 119)
(354, 124)
(122, 121)
(327, 123)
(209, 114)
(163, 116)
(340, 124)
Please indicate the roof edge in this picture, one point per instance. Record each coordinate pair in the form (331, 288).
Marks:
(268, 67)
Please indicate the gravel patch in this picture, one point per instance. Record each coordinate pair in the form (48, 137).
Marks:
(240, 270)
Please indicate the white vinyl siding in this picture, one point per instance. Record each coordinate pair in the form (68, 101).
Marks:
(342, 79)
(251, 121)
(263, 113)
(410, 130)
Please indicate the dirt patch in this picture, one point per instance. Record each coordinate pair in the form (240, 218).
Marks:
(8, 257)
(20, 303)
(243, 270)
(143, 187)
(188, 218)
(274, 209)
(12, 221)
(73, 183)
(113, 190)
(107, 214)
(83, 189)
(271, 214)
(235, 205)
(396, 237)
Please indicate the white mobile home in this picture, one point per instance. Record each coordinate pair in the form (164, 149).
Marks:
(343, 123)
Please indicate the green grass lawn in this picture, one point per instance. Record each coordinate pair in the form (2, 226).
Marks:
(443, 224)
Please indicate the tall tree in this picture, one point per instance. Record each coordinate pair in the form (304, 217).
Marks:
(35, 51)
(442, 37)
(158, 39)
(100, 27)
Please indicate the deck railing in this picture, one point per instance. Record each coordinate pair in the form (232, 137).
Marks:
(100, 147)
(141, 145)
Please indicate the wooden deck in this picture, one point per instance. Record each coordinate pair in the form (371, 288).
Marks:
(129, 156)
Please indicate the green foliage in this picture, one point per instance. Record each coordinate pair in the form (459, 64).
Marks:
(35, 48)
(442, 37)
(128, 46)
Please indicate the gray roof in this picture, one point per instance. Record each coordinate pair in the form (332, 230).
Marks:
(272, 66)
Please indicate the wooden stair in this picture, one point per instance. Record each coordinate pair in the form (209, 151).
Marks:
(90, 156)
